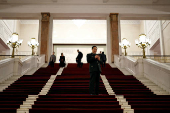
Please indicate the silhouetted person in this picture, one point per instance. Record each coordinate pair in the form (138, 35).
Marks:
(62, 60)
(100, 52)
(95, 70)
(52, 60)
(103, 56)
(78, 58)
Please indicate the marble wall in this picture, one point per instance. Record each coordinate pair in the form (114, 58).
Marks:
(166, 36)
(15, 66)
(158, 73)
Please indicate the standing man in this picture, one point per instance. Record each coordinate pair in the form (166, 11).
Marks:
(103, 56)
(52, 59)
(78, 58)
(95, 70)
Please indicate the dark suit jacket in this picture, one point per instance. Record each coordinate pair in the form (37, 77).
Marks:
(94, 63)
(80, 55)
(62, 58)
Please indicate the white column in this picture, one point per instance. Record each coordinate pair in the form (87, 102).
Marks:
(39, 36)
(161, 38)
(119, 35)
(146, 32)
(108, 45)
(50, 43)
(15, 26)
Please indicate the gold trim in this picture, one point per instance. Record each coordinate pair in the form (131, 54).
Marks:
(15, 33)
(142, 34)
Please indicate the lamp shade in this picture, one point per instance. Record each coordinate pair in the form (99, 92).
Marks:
(142, 38)
(14, 37)
(33, 41)
(137, 41)
(125, 43)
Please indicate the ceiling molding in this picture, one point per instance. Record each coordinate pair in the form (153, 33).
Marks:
(105, 1)
(54, 0)
(130, 21)
(87, 22)
(155, 1)
(29, 21)
(86, 2)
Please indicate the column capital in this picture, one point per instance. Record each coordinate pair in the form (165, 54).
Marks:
(114, 16)
(45, 16)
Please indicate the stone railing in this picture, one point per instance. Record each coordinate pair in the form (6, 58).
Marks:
(16, 66)
(158, 73)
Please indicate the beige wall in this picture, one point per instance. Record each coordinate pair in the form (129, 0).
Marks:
(166, 35)
(28, 31)
(142, 30)
(131, 33)
(92, 31)
(18, 27)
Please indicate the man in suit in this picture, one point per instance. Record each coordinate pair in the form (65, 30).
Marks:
(52, 59)
(95, 70)
(103, 56)
(78, 58)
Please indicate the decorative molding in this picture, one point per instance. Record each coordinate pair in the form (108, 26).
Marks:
(29, 21)
(153, 31)
(165, 23)
(130, 22)
(105, 1)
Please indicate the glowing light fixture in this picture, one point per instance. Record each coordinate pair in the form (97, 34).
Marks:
(143, 42)
(14, 42)
(125, 44)
(33, 44)
(79, 23)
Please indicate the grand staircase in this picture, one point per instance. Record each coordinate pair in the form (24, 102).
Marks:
(63, 90)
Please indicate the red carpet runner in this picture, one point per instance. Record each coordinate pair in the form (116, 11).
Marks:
(70, 94)
(12, 97)
(141, 99)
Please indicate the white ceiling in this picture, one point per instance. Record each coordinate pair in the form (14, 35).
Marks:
(85, 9)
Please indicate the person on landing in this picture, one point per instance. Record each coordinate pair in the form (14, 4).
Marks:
(78, 58)
(95, 71)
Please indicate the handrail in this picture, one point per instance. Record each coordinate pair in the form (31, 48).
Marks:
(158, 58)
